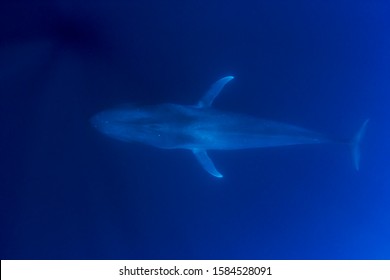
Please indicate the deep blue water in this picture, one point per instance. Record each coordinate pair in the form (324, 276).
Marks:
(68, 192)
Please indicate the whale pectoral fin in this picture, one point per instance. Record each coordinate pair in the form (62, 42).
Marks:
(213, 92)
(205, 161)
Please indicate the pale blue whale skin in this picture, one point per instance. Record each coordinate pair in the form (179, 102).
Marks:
(200, 128)
(171, 126)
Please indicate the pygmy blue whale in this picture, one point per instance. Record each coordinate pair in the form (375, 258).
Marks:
(200, 128)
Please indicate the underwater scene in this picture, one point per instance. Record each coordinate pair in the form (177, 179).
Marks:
(144, 129)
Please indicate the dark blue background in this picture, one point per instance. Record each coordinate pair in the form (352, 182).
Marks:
(68, 192)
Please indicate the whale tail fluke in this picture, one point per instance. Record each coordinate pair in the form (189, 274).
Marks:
(355, 144)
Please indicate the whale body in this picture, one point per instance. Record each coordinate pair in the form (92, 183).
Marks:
(201, 127)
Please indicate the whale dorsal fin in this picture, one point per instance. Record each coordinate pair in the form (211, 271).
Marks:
(213, 92)
(205, 161)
